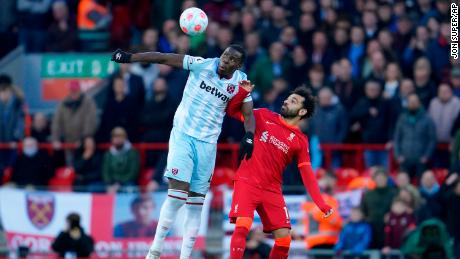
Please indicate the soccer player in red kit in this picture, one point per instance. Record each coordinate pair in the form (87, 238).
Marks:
(257, 186)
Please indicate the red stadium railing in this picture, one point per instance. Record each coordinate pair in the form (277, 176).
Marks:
(353, 153)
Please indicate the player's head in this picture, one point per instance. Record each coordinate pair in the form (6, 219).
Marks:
(300, 103)
(231, 60)
(142, 208)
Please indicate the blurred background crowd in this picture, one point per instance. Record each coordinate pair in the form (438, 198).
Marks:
(381, 70)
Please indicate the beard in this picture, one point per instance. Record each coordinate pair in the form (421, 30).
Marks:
(288, 114)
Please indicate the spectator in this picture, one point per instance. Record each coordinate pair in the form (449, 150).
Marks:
(398, 223)
(74, 119)
(299, 67)
(268, 68)
(40, 128)
(375, 205)
(62, 33)
(455, 80)
(73, 241)
(443, 110)
(307, 26)
(355, 236)
(370, 22)
(403, 182)
(424, 86)
(33, 168)
(157, 120)
(316, 79)
(120, 166)
(371, 115)
(341, 43)
(439, 50)
(224, 39)
(218, 10)
(453, 210)
(246, 26)
(277, 22)
(11, 120)
(411, 196)
(330, 122)
(142, 208)
(455, 155)
(119, 111)
(148, 71)
(378, 64)
(88, 167)
(169, 36)
(33, 22)
(253, 50)
(403, 33)
(357, 50)
(429, 189)
(255, 246)
(345, 87)
(386, 41)
(399, 101)
(392, 79)
(415, 138)
(288, 38)
(418, 46)
(134, 86)
(320, 52)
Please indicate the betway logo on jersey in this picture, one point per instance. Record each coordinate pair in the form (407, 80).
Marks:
(214, 91)
(274, 141)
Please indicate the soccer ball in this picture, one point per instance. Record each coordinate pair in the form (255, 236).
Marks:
(193, 21)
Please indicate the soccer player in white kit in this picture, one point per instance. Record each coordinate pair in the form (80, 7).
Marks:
(211, 84)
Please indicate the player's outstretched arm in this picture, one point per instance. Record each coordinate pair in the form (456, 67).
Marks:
(247, 143)
(170, 59)
(310, 183)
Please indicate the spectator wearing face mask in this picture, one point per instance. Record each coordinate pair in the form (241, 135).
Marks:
(120, 166)
(33, 167)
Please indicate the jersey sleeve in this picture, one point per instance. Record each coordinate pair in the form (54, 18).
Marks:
(234, 106)
(194, 63)
(303, 155)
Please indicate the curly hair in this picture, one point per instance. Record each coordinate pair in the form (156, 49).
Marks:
(309, 102)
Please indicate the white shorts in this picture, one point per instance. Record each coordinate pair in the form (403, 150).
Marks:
(191, 160)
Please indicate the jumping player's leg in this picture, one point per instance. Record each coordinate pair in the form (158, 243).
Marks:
(275, 219)
(244, 201)
(238, 242)
(282, 243)
(205, 157)
(178, 171)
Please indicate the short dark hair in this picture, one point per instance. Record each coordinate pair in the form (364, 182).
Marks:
(241, 50)
(309, 102)
(74, 220)
(140, 199)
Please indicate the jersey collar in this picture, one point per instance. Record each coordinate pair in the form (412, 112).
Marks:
(287, 125)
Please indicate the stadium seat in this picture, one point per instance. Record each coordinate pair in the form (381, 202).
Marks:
(361, 182)
(221, 179)
(222, 176)
(63, 179)
(440, 174)
(320, 172)
(145, 176)
(345, 176)
(7, 174)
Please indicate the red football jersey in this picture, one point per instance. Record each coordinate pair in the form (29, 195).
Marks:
(276, 144)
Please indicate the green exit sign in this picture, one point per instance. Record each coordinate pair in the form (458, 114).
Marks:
(77, 66)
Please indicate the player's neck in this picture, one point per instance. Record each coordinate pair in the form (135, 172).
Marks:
(225, 76)
(294, 122)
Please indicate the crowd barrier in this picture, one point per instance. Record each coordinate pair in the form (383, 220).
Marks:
(354, 152)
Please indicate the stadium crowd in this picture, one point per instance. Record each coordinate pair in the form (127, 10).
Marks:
(381, 70)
